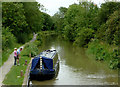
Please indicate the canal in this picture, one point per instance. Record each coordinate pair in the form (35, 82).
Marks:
(77, 68)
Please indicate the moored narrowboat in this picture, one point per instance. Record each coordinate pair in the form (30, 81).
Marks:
(45, 65)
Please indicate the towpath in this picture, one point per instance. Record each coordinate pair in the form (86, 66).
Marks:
(5, 68)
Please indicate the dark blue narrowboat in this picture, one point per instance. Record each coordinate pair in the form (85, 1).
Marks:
(45, 65)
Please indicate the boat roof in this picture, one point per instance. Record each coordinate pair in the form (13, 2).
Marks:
(48, 53)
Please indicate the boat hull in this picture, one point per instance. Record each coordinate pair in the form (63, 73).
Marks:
(44, 74)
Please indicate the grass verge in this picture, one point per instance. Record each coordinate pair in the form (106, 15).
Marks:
(13, 77)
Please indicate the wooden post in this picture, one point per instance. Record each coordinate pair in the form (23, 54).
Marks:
(21, 73)
(25, 62)
(30, 55)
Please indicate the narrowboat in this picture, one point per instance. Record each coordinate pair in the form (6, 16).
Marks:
(45, 65)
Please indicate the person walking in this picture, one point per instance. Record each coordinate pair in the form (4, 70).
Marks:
(15, 55)
(18, 55)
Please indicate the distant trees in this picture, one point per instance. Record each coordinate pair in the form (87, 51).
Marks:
(58, 19)
(77, 18)
(47, 23)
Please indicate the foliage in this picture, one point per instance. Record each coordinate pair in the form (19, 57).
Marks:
(58, 20)
(106, 10)
(30, 49)
(79, 17)
(113, 28)
(14, 18)
(34, 16)
(48, 22)
(8, 44)
(101, 52)
(8, 39)
(23, 37)
(84, 36)
(109, 31)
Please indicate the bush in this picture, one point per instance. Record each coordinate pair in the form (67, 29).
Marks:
(24, 37)
(30, 48)
(104, 52)
(8, 39)
(110, 30)
(84, 36)
(114, 62)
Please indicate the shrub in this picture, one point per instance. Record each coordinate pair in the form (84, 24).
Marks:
(114, 62)
(84, 36)
(23, 37)
(8, 39)
(30, 48)
(104, 52)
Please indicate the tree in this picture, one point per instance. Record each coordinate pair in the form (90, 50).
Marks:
(48, 22)
(34, 16)
(58, 19)
(107, 9)
(14, 18)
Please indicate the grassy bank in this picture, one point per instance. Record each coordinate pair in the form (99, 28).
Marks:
(104, 52)
(15, 70)
(13, 77)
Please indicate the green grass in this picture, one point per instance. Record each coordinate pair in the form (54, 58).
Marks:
(12, 78)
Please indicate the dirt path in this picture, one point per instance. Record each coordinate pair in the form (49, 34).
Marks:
(9, 63)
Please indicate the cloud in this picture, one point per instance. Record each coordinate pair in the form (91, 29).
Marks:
(54, 5)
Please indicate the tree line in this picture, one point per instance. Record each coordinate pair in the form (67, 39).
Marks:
(85, 21)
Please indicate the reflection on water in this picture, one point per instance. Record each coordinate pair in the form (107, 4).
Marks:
(76, 68)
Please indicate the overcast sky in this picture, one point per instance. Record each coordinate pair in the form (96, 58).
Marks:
(53, 5)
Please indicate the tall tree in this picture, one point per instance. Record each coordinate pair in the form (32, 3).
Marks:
(14, 18)
(33, 15)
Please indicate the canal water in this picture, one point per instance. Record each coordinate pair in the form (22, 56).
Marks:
(77, 68)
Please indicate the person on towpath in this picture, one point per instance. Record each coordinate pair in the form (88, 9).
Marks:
(15, 55)
(18, 55)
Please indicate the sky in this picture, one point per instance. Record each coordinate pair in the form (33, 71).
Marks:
(52, 6)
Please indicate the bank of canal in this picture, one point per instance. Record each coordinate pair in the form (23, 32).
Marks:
(77, 68)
